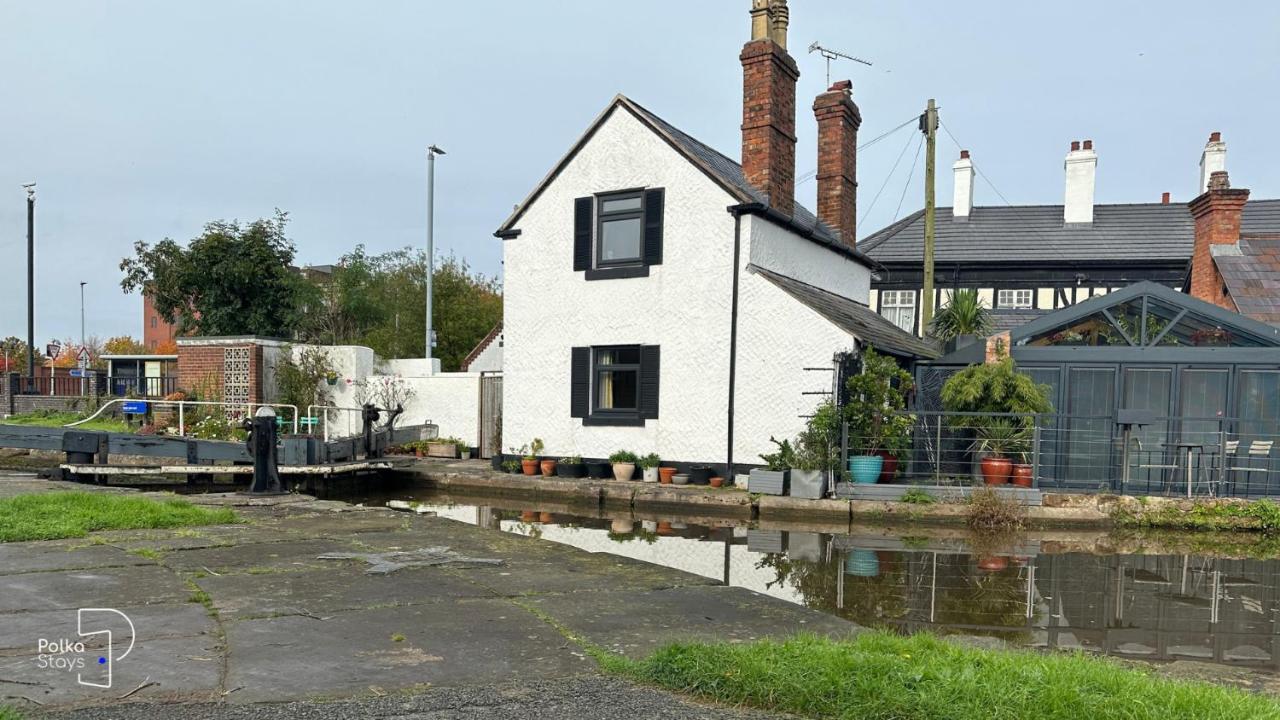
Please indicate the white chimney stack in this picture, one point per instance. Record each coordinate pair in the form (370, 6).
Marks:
(1081, 166)
(962, 205)
(1213, 159)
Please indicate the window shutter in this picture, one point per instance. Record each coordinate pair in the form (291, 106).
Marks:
(582, 233)
(649, 364)
(653, 201)
(580, 383)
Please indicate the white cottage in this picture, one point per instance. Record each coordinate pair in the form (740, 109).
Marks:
(661, 297)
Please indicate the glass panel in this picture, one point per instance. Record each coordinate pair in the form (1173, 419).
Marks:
(1094, 330)
(1204, 397)
(618, 390)
(620, 240)
(1090, 392)
(618, 356)
(1148, 389)
(620, 204)
(1259, 421)
(1128, 317)
(1050, 380)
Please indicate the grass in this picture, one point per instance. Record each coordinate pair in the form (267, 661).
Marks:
(879, 676)
(53, 418)
(916, 496)
(9, 714)
(988, 511)
(1263, 515)
(57, 515)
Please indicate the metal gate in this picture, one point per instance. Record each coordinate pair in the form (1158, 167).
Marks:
(490, 415)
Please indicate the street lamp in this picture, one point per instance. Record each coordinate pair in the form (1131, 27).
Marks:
(82, 284)
(432, 152)
(31, 281)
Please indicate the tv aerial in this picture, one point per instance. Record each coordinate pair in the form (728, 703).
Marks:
(833, 55)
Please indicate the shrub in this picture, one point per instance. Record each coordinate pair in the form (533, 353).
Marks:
(989, 511)
(916, 496)
(649, 461)
(623, 456)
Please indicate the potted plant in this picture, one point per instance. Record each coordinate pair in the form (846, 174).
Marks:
(809, 476)
(665, 474)
(443, 447)
(965, 316)
(878, 427)
(331, 378)
(497, 460)
(649, 467)
(418, 447)
(624, 464)
(716, 481)
(548, 466)
(511, 465)
(1023, 474)
(998, 439)
(529, 456)
(775, 477)
(1000, 406)
(571, 467)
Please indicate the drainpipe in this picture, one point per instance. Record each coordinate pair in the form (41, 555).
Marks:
(733, 335)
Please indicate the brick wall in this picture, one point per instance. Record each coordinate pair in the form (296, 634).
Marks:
(838, 122)
(1217, 222)
(202, 369)
(769, 77)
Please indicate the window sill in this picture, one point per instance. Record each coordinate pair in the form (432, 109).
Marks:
(612, 421)
(618, 273)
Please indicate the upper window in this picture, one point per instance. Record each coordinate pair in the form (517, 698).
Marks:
(620, 230)
(899, 308)
(1020, 299)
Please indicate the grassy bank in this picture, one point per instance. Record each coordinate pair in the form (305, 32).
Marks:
(50, 418)
(1201, 514)
(52, 516)
(879, 676)
(9, 714)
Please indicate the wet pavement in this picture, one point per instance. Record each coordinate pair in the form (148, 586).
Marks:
(253, 613)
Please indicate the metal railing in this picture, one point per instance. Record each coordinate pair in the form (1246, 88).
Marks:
(232, 410)
(56, 385)
(1174, 456)
(147, 387)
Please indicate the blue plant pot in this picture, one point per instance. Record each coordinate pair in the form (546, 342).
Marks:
(862, 563)
(865, 468)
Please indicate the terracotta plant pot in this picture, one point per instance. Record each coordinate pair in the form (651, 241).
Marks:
(529, 467)
(1022, 476)
(993, 563)
(664, 527)
(417, 452)
(623, 471)
(546, 518)
(548, 468)
(716, 481)
(664, 475)
(889, 468)
(995, 470)
(528, 516)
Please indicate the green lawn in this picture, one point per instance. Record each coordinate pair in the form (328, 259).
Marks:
(9, 714)
(52, 516)
(49, 418)
(880, 676)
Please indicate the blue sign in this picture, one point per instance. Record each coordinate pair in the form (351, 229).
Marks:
(77, 372)
(135, 407)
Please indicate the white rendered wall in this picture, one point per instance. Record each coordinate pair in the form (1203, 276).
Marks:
(490, 358)
(683, 306)
(775, 248)
(449, 400)
(1081, 167)
(777, 338)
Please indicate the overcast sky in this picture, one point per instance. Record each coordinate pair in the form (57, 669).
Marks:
(144, 120)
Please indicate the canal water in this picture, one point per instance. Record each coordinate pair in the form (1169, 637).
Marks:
(1021, 590)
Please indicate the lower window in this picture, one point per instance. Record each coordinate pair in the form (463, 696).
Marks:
(615, 384)
(899, 308)
(617, 379)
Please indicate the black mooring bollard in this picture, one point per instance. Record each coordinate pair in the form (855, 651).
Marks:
(262, 447)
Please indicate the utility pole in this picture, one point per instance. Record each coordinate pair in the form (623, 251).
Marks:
(930, 128)
(82, 284)
(31, 282)
(432, 151)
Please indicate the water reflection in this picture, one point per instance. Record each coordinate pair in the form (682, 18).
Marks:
(1152, 607)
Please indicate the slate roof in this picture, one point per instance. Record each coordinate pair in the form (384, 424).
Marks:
(1004, 319)
(852, 317)
(1036, 233)
(1251, 270)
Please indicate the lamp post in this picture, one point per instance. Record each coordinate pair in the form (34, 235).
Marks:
(31, 282)
(83, 382)
(432, 151)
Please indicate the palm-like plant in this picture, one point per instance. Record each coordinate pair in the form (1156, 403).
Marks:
(964, 314)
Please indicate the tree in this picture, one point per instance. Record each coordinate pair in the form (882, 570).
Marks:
(964, 314)
(233, 279)
(123, 345)
(13, 355)
(379, 301)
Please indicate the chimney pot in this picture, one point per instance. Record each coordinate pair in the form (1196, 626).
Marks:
(964, 154)
(1075, 145)
(842, 85)
(1212, 159)
(1215, 136)
(769, 77)
(1088, 145)
(1164, 198)
(962, 203)
(1218, 180)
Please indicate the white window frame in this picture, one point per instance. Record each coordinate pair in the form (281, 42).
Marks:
(1014, 298)
(899, 308)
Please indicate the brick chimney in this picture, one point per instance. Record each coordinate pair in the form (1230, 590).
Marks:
(1081, 168)
(838, 122)
(1212, 159)
(769, 77)
(1217, 222)
(962, 204)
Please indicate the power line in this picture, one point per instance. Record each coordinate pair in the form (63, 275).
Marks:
(887, 178)
(915, 161)
(805, 177)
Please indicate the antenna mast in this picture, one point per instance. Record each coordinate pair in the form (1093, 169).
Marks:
(832, 55)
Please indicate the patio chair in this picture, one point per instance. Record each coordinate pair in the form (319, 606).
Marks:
(1258, 453)
(1160, 452)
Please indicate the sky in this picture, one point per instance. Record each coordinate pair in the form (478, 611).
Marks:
(142, 120)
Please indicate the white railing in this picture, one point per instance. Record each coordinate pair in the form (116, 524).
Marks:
(182, 407)
(324, 419)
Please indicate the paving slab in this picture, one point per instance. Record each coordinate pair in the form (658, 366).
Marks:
(20, 632)
(106, 587)
(478, 642)
(579, 572)
(289, 555)
(343, 587)
(27, 557)
(191, 538)
(636, 624)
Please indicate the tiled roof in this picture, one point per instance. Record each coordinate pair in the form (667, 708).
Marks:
(1251, 270)
(1036, 233)
(853, 317)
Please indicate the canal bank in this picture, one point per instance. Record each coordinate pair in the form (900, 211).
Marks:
(308, 600)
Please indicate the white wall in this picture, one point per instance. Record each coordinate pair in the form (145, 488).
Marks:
(450, 401)
(490, 358)
(683, 306)
(776, 248)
